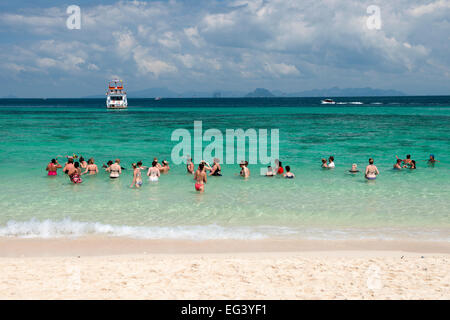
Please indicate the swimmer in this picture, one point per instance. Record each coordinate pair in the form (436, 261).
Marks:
(413, 164)
(165, 168)
(153, 172)
(52, 167)
(69, 166)
(432, 160)
(371, 171)
(289, 174)
(83, 163)
(75, 173)
(398, 164)
(245, 172)
(324, 163)
(137, 179)
(331, 162)
(269, 172)
(190, 166)
(114, 169)
(216, 170)
(91, 168)
(354, 168)
(200, 178)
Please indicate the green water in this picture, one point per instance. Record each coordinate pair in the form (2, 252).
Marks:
(317, 204)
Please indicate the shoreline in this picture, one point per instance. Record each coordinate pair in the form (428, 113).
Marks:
(108, 246)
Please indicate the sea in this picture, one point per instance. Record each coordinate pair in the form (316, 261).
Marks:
(317, 204)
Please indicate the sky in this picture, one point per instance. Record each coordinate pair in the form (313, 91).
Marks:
(207, 45)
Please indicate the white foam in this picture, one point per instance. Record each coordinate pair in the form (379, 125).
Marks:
(68, 228)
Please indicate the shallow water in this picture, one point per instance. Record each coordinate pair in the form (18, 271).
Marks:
(323, 204)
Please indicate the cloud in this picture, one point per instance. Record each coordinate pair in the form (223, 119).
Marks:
(222, 44)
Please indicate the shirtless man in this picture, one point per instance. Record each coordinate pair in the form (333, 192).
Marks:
(200, 178)
(69, 166)
(165, 168)
(371, 171)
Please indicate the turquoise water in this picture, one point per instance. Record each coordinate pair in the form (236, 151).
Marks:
(317, 204)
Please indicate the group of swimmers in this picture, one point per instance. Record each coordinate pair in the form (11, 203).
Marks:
(371, 171)
(75, 165)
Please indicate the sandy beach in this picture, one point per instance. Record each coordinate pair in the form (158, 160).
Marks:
(137, 269)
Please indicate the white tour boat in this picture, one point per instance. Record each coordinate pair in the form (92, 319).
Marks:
(328, 101)
(116, 97)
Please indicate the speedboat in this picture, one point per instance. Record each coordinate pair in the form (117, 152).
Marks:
(328, 101)
(116, 97)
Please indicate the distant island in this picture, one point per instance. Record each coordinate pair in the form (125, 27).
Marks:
(261, 93)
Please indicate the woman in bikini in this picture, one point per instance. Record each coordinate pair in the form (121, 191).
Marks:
(91, 167)
(371, 171)
(137, 179)
(114, 170)
(83, 163)
(216, 170)
(52, 167)
(200, 178)
(153, 172)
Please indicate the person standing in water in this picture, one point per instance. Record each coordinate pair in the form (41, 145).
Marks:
(269, 172)
(371, 171)
(137, 178)
(114, 170)
(200, 178)
(324, 164)
(432, 160)
(52, 167)
(91, 167)
(331, 162)
(75, 173)
(398, 164)
(289, 174)
(69, 166)
(245, 172)
(190, 166)
(83, 163)
(216, 170)
(153, 172)
(165, 168)
(280, 169)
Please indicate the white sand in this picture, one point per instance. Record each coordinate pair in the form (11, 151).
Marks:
(283, 275)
